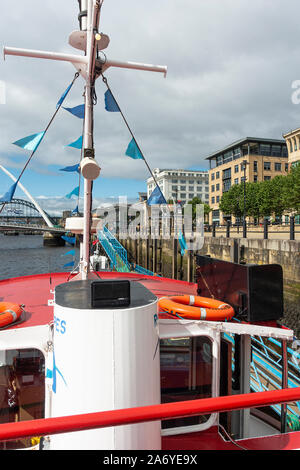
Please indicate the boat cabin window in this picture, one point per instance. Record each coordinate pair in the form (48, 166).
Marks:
(22, 390)
(186, 374)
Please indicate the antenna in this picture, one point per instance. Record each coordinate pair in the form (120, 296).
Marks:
(86, 39)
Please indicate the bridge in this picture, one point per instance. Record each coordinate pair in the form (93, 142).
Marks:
(23, 215)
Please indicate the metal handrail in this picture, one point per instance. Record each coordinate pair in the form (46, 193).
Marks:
(103, 419)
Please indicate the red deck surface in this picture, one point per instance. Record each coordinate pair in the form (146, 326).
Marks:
(34, 292)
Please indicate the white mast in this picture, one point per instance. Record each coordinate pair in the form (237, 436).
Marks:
(86, 67)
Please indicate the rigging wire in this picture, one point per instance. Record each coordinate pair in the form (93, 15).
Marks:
(104, 79)
(45, 131)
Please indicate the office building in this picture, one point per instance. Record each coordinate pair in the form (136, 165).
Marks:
(264, 159)
(180, 185)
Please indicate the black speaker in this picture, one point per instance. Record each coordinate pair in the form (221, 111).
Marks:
(110, 293)
(254, 291)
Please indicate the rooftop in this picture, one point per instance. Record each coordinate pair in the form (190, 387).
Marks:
(243, 141)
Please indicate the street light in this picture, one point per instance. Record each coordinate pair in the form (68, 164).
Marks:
(244, 166)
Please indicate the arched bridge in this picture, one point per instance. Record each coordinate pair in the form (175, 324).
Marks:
(20, 214)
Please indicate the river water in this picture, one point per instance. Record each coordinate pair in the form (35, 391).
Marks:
(23, 255)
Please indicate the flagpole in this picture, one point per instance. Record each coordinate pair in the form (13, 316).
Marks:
(93, 15)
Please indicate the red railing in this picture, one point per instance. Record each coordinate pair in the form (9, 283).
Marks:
(48, 426)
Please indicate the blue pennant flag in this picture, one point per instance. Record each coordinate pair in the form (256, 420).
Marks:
(7, 197)
(62, 98)
(156, 197)
(69, 264)
(75, 192)
(31, 142)
(71, 168)
(75, 211)
(110, 103)
(70, 240)
(182, 243)
(71, 252)
(133, 151)
(77, 144)
(77, 111)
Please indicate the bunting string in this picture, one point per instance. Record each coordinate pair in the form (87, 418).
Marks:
(133, 150)
(33, 142)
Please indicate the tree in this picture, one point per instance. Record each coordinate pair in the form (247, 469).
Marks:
(292, 189)
(196, 200)
(232, 201)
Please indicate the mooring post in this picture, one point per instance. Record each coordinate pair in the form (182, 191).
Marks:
(174, 263)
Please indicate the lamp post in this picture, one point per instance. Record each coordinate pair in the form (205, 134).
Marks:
(245, 163)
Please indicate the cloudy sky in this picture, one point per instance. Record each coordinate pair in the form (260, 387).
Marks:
(231, 65)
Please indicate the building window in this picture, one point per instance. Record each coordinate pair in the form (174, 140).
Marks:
(265, 149)
(228, 156)
(217, 175)
(291, 146)
(236, 168)
(227, 173)
(212, 188)
(191, 188)
(212, 176)
(267, 178)
(236, 181)
(191, 195)
(277, 166)
(255, 166)
(218, 199)
(267, 166)
(217, 187)
(286, 166)
(182, 188)
(219, 160)
(174, 181)
(226, 185)
(276, 150)
(255, 178)
(182, 195)
(212, 200)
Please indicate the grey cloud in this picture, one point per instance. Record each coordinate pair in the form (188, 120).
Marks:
(231, 64)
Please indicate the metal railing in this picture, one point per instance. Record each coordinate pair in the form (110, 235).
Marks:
(104, 419)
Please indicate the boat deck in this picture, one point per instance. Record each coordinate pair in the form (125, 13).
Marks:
(35, 291)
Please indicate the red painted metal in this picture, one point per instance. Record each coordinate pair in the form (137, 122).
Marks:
(41, 427)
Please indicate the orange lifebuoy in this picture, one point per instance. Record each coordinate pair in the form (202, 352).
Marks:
(9, 313)
(187, 307)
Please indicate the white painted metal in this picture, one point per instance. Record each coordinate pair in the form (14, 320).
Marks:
(37, 337)
(44, 55)
(93, 16)
(135, 65)
(187, 329)
(109, 360)
(177, 328)
(38, 207)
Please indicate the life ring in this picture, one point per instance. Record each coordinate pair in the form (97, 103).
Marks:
(9, 313)
(187, 307)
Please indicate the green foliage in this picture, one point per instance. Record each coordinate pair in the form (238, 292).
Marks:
(262, 199)
(196, 200)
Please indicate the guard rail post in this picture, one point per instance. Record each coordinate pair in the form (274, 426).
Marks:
(292, 228)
